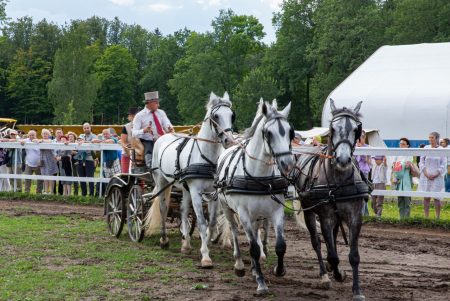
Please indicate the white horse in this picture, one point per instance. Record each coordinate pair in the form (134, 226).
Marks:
(192, 169)
(248, 180)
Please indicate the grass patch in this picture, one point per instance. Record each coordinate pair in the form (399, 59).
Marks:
(71, 258)
(72, 199)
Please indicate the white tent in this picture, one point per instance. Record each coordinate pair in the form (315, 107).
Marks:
(405, 92)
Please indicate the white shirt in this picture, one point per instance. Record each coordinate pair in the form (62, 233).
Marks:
(143, 119)
(33, 156)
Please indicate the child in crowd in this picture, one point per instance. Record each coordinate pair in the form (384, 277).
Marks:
(379, 175)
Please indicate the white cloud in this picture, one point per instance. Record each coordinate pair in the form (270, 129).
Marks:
(161, 7)
(273, 4)
(122, 2)
(211, 3)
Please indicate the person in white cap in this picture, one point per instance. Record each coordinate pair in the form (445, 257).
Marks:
(150, 124)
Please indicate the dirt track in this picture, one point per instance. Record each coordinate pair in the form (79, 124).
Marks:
(397, 263)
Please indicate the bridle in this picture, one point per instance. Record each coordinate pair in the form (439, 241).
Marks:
(266, 136)
(339, 116)
(215, 125)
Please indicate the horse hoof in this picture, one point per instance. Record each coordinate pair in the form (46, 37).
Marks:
(342, 277)
(262, 258)
(239, 273)
(164, 244)
(186, 250)
(359, 298)
(325, 282)
(279, 273)
(262, 291)
(207, 264)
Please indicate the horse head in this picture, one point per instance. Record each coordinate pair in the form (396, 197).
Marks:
(345, 130)
(221, 118)
(278, 133)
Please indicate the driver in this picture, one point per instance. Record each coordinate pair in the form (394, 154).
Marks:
(150, 124)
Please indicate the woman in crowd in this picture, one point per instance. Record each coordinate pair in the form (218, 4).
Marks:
(48, 164)
(402, 178)
(64, 158)
(432, 171)
(125, 137)
(72, 138)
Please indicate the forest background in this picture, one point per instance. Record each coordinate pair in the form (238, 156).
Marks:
(93, 70)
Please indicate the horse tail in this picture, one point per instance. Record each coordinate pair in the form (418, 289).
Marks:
(225, 232)
(300, 218)
(153, 218)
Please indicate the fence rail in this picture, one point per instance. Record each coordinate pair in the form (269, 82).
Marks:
(99, 147)
(373, 151)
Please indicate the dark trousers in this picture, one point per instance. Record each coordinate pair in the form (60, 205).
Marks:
(86, 170)
(148, 152)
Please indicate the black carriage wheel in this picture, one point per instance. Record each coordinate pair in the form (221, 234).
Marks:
(115, 213)
(135, 214)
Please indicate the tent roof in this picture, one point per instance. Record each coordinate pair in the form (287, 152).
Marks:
(405, 91)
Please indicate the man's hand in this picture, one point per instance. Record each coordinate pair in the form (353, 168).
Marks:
(148, 130)
(171, 129)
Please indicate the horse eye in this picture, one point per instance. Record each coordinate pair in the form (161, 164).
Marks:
(216, 116)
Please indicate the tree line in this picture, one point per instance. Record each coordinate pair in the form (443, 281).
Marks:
(95, 69)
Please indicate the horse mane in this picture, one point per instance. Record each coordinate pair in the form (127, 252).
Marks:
(249, 132)
(346, 110)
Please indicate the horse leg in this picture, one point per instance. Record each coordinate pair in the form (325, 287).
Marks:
(280, 246)
(239, 269)
(266, 234)
(354, 226)
(328, 224)
(163, 208)
(185, 227)
(251, 230)
(206, 261)
(310, 221)
(213, 235)
(262, 243)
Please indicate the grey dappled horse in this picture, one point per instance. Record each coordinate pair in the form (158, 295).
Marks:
(248, 178)
(331, 185)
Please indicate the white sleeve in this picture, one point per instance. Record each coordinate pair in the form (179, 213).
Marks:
(137, 126)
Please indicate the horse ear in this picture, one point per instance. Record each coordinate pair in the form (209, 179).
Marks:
(264, 109)
(226, 96)
(286, 110)
(275, 104)
(332, 106)
(212, 96)
(357, 108)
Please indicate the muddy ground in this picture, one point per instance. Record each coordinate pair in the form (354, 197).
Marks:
(397, 263)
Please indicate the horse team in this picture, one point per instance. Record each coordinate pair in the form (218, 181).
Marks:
(246, 180)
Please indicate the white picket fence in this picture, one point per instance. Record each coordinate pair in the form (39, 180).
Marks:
(58, 146)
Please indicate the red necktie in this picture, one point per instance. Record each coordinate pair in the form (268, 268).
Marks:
(158, 125)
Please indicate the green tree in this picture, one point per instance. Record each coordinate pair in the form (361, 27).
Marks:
(3, 11)
(216, 61)
(116, 72)
(258, 83)
(45, 40)
(346, 32)
(418, 21)
(162, 59)
(27, 88)
(195, 76)
(73, 76)
(19, 33)
(287, 59)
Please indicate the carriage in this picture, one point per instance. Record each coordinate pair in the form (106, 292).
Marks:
(129, 197)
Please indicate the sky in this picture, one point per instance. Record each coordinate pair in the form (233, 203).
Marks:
(167, 15)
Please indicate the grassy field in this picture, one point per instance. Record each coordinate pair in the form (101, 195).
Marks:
(70, 258)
